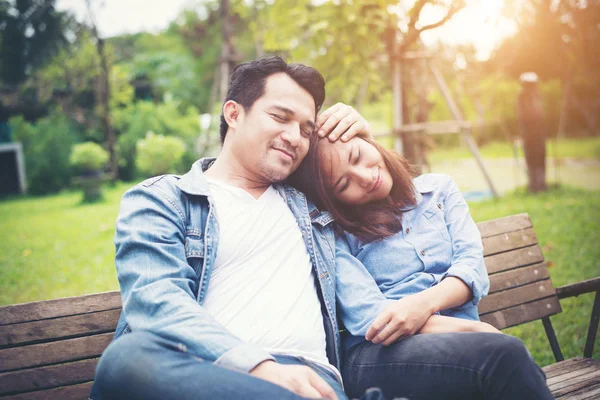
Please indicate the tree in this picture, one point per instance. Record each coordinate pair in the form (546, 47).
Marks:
(31, 32)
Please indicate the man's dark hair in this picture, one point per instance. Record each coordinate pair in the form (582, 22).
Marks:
(248, 82)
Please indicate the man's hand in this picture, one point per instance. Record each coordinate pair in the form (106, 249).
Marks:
(299, 379)
(341, 119)
(402, 318)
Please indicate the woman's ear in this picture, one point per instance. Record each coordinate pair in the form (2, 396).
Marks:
(232, 112)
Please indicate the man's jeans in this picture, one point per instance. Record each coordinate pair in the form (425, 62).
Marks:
(141, 365)
(446, 366)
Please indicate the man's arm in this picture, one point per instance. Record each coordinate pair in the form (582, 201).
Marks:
(158, 285)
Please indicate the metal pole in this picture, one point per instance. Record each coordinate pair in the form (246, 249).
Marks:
(465, 131)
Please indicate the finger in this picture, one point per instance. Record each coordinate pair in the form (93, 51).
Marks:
(354, 130)
(305, 389)
(323, 387)
(380, 322)
(341, 127)
(389, 330)
(393, 337)
(333, 120)
(324, 116)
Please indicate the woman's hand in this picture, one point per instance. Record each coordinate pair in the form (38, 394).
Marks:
(442, 324)
(341, 119)
(404, 317)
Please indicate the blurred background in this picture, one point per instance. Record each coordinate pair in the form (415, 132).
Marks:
(96, 95)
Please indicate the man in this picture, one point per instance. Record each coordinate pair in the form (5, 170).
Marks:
(265, 326)
(228, 279)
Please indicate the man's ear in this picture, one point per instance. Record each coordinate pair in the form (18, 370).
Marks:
(232, 111)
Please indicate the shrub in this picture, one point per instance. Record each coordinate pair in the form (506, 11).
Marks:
(88, 156)
(46, 146)
(159, 154)
(134, 121)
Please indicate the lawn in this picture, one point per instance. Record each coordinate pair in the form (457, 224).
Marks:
(55, 247)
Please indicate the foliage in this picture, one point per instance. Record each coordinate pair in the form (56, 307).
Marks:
(46, 145)
(31, 31)
(136, 120)
(88, 156)
(159, 154)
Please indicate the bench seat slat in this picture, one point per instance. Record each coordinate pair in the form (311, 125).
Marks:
(518, 277)
(40, 310)
(49, 377)
(514, 259)
(563, 367)
(504, 225)
(37, 355)
(522, 313)
(515, 296)
(508, 241)
(587, 393)
(576, 383)
(561, 380)
(64, 327)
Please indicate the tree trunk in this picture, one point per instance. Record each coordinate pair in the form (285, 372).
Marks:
(109, 134)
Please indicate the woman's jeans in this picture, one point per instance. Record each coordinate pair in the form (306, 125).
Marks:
(141, 365)
(446, 366)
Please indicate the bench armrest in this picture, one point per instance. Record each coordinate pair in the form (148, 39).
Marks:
(576, 289)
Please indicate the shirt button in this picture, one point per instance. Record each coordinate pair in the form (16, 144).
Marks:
(439, 205)
(422, 252)
(407, 231)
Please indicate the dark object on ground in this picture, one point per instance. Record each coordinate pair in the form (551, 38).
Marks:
(49, 349)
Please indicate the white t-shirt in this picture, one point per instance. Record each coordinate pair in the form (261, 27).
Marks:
(262, 288)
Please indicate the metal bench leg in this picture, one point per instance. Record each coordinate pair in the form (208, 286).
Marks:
(558, 355)
(593, 328)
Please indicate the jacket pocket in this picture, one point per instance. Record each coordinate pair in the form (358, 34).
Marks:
(194, 252)
(435, 215)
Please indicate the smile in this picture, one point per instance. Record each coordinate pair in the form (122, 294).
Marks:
(285, 152)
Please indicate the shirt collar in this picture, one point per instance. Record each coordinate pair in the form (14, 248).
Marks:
(422, 185)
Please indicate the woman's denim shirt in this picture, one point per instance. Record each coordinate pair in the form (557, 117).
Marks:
(166, 244)
(438, 239)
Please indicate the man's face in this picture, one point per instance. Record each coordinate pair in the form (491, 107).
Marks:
(271, 138)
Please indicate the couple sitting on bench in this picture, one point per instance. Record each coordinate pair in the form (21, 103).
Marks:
(233, 281)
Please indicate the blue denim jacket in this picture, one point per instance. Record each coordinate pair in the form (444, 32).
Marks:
(166, 244)
(439, 239)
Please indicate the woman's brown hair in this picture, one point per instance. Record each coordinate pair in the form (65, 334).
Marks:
(368, 222)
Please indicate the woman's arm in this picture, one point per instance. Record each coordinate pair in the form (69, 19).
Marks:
(467, 248)
(441, 324)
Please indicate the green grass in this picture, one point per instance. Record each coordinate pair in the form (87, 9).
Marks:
(582, 148)
(56, 247)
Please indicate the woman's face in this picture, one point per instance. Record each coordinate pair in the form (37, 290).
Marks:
(356, 171)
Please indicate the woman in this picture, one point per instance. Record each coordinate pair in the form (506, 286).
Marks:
(414, 237)
(414, 242)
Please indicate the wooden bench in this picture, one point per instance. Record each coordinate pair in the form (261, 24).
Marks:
(49, 349)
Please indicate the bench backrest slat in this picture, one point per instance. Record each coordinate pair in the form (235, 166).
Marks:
(58, 328)
(37, 355)
(49, 349)
(69, 306)
(48, 377)
(73, 392)
(520, 286)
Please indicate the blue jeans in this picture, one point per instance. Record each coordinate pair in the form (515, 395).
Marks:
(446, 366)
(142, 365)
